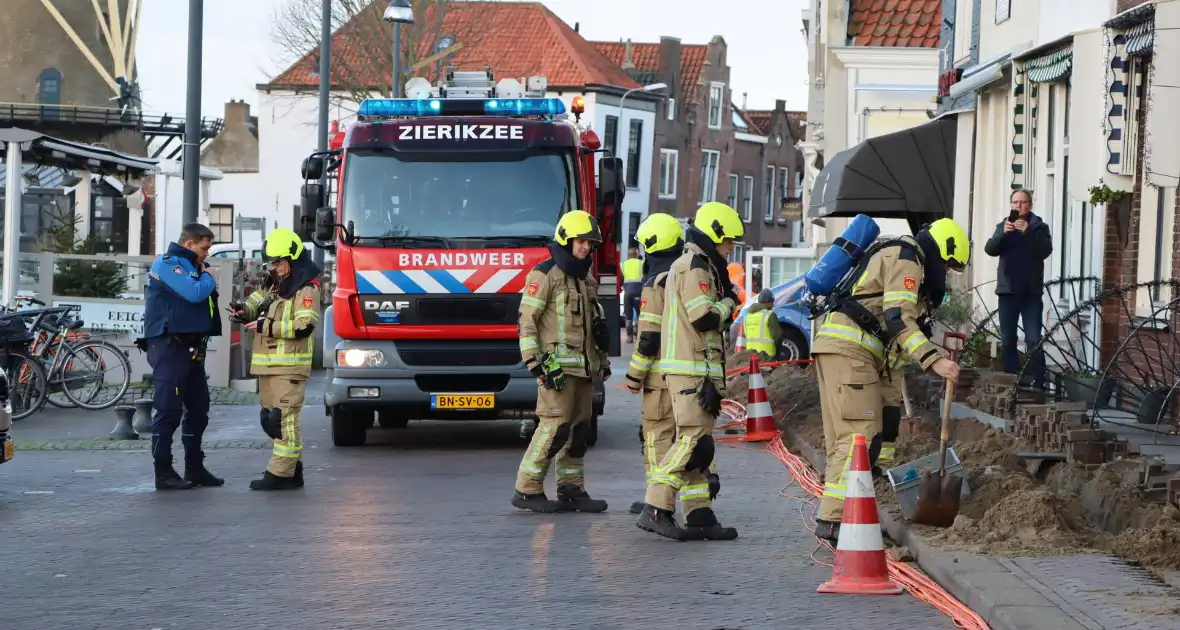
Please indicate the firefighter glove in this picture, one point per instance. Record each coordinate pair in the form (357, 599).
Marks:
(709, 397)
(714, 486)
(601, 334)
(551, 373)
(926, 325)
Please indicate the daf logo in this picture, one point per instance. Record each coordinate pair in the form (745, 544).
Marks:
(386, 306)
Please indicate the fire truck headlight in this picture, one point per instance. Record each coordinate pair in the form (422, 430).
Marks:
(356, 357)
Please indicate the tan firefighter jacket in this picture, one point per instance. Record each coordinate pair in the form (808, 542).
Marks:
(889, 286)
(695, 313)
(556, 316)
(283, 342)
(644, 369)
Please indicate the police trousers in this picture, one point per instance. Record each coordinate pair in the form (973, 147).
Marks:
(681, 472)
(850, 396)
(659, 430)
(563, 425)
(284, 392)
(180, 397)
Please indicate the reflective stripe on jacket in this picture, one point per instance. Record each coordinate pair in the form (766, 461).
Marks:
(693, 288)
(284, 341)
(644, 368)
(556, 316)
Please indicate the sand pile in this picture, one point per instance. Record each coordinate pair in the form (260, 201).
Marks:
(739, 360)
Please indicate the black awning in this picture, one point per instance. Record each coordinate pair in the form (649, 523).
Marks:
(908, 174)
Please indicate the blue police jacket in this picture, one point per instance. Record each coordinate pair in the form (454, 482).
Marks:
(181, 297)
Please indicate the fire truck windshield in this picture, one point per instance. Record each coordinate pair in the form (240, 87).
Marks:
(455, 199)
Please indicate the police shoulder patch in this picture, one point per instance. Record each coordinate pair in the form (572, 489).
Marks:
(911, 284)
(178, 270)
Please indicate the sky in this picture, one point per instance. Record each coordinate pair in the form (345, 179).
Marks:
(767, 54)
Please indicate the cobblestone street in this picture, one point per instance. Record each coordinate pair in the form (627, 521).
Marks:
(413, 530)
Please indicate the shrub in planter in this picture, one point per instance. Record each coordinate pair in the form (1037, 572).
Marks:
(1084, 386)
(1150, 409)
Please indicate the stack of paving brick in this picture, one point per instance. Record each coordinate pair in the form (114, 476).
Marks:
(1064, 427)
(1174, 490)
(992, 393)
(1161, 482)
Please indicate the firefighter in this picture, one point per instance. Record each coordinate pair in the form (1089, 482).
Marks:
(283, 315)
(761, 326)
(563, 341)
(698, 301)
(853, 345)
(632, 287)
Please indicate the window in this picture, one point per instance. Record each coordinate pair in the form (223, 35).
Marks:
(1003, 10)
(1051, 119)
(799, 183)
(1156, 222)
(669, 164)
(716, 104)
(747, 198)
(221, 221)
(634, 151)
(1136, 91)
(731, 201)
(738, 255)
(964, 20)
(784, 183)
(49, 92)
(610, 133)
(771, 205)
(670, 108)
(709, 161)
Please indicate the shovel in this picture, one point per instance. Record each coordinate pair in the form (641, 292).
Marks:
(940, 493)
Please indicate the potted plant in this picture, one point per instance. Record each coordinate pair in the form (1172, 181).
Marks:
(1118, 202)
(1086, 386)
(1151, 409)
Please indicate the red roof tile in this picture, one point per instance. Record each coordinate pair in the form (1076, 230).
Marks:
(760, 118)
(895, 23)
(517, 39)
(646, 58)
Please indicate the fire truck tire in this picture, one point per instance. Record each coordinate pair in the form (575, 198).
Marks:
(389, 419)
(592, 436)
(350, 427)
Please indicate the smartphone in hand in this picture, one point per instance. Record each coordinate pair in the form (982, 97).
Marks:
(1013, 216)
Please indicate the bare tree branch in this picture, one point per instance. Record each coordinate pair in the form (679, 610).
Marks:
(363, 42)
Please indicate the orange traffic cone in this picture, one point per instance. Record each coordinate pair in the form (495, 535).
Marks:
(759, 416)
(860, 567)
(740, 344)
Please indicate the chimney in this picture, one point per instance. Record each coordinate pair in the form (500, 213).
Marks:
(237, 113)
(628, 63)
(668, 66)
(744, 96)
(780, 105)
(577, 27)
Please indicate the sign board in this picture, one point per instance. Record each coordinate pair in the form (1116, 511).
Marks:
(251, 223)
(101, 316)
(792, 210)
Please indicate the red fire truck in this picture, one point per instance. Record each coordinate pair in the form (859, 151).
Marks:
(444, 201)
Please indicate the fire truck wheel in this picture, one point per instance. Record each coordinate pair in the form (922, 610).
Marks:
(390, 419)
(592, 437)
(350, 427)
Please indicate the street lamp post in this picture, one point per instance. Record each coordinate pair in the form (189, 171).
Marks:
(325, 102)
(397, 12)
(191, 158)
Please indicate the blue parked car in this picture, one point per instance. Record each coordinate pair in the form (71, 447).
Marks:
(792, 316)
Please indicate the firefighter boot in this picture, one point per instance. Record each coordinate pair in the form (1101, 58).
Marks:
(196, 473)
(298, 473)
(661, 522)
(168, 479)
(575, 499)
(827, 530)
(701, 524)
(274, 482)
(534, 502)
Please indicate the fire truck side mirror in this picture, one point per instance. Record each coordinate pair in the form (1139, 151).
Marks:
(610, 181)
(311, 198)
(325, 226)
(313, 167)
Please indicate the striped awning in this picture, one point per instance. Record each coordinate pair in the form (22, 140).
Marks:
(1051, 67)
(1141, 38)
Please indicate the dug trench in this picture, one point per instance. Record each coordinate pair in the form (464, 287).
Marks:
(1008, 512)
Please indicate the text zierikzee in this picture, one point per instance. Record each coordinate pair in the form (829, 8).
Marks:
(461, 132)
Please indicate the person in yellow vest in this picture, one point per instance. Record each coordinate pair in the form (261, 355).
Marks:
(283, 316)
(632, 288)
(853, 344)
(761, 327)
(698, 302)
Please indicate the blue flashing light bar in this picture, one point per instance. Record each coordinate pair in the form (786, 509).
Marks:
(380, 107)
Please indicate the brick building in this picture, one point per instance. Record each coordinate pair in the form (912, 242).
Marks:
(768, 164)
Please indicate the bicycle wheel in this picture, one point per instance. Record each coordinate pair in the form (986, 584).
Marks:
(27, 384)
(98, 358)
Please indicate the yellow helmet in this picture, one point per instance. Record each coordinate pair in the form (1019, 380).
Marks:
(718, 221)
(282, 243)
(953, 245)
(659, 232)
(577, 224)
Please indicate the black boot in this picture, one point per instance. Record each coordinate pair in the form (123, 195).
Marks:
(575, 499)
(196, 473)
(661, 522)
(827, 530)
(701, 524)
(637, 507)
(298, 474)
(168, 479)
(534, 502)
(274, 482)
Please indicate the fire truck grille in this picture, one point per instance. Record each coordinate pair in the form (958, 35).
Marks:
(493, 309)
(460, 353)
(436, 383)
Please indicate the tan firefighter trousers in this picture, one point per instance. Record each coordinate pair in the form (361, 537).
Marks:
(670, 479)
(659, 430)
(284, 392)
(850, 393)
(558, 437)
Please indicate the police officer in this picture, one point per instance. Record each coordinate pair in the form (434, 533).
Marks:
(698, 301)
(761, 327)
(632, 288)
(283, 315)
(563, 341)
(179, 317)
(853, 345)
